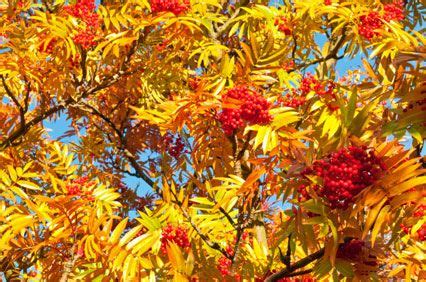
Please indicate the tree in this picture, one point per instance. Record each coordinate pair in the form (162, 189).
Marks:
(263, 162)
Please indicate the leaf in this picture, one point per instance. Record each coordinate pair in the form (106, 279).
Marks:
(409, 184)
(12, 173)
(113, 239)
(143, 243)
(29, 185)
(379, 222)
(126, 238)
(251, 179)
(350, 110)
(371, 217)
(344, 267)
(175, 256)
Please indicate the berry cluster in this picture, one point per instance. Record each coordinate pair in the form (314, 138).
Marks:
(324, 89)
(368, 25)
(414, 105)
(174, 145)
(86, 38)
(85, 11)
(288, 65)
(253, 109)
(176, 7)
(345, 174)
(421, 232)
(372, 21)
(224, 264)
(283, 25)
(356, 251)
(394, 11)
(351, 249)
(75, 188)
(327, 2)
(177, 235)
(81, 9)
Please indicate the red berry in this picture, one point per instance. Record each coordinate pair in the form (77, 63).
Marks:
(394, 11)
(351, 250)
(254, 109)
(177, 235)
(283, 25)
(324, 89)
(224, 266)
(176, 7)
(174, 145)
(422, 233)
(369, 24)
(372, 21)
(345, 174)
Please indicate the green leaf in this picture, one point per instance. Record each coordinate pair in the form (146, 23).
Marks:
(344, 267)
(350, 110)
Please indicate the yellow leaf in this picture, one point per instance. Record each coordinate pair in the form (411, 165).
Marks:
(378, 224)
(126, 238)
(371, 217)
(118, 231)
(407, 185)
(175, 256)
(29, 185)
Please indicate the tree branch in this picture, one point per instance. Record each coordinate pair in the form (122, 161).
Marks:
(331, 55)
(15, 101)
(213, 245)
(132, 159)
(299, 264)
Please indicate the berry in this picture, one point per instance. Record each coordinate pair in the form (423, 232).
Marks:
(283, 25)
(85, 11)
(253, 109)
(224, 266)
(85, 38)
(372, 21)
(174, 145)
(176, 7)
(368, 25)
(351, 250)
(422, 233)
(177, 235)
(345, 174)
(323, 89)
(75, 188)
(394, 11)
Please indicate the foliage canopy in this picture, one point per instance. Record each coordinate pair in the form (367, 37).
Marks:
(262, 160)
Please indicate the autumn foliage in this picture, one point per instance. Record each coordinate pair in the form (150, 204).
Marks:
(189, 140)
